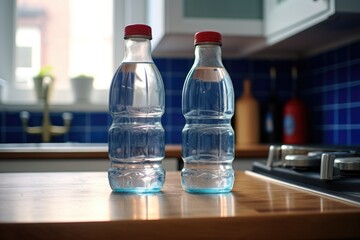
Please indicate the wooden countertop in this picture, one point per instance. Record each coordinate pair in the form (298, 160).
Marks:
(100, 151)
(81, 206)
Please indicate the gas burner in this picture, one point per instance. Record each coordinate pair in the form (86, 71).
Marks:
(348, 166)
(327, 163)
(303, 162)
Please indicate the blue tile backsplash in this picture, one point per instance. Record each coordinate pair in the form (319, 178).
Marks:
(329, 84)
(332, 89)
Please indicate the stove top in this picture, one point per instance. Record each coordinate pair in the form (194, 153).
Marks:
(329, 170)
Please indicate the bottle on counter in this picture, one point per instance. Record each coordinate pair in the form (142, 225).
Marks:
(295, 117)
(136, 104)
(247, 117)
(208, 106)
(273, 113)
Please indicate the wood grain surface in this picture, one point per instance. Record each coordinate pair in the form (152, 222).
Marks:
(78, 205)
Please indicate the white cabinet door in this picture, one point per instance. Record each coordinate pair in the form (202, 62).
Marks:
(284, 18)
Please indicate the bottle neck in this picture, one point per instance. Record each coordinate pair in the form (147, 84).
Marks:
(247, 88)
(137, 50)
(208, 55)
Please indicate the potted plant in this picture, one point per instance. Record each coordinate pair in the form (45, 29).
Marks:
(82, 86)
(41, 80)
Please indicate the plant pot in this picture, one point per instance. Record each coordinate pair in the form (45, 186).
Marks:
(43, 86)
(82, 88)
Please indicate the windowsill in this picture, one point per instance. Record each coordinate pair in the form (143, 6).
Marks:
(60, 101)
(54, 107)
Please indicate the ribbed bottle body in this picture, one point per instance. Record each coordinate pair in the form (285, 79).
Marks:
(208, 137)
(136, 135)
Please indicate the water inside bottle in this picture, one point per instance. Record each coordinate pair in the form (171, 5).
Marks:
(136, 136)
(208, 137)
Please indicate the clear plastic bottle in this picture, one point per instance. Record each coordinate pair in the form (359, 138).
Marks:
(208, 106)
(136, 104)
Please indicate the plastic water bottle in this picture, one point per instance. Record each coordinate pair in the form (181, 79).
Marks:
(136, 104)
(208, 106)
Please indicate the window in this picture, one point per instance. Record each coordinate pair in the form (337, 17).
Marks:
(72, 36)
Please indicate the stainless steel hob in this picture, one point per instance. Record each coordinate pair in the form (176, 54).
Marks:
(329, 170)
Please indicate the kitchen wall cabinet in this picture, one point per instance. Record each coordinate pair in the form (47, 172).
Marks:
(284, 18)
(252, 28)
(295, 29)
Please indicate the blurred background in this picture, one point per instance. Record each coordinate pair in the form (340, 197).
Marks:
(73, 37)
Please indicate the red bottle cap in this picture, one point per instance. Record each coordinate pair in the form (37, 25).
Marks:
(138, 30)
(207, 37)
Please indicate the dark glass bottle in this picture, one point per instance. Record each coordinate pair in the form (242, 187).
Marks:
(273, 113)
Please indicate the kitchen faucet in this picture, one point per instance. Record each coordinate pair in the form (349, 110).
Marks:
(46, 129)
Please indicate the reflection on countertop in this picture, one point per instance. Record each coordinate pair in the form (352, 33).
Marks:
(258, 207)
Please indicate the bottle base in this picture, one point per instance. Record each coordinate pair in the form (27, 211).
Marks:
(207, 181)
(133, 180)
(207, 190)
(136, 190)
